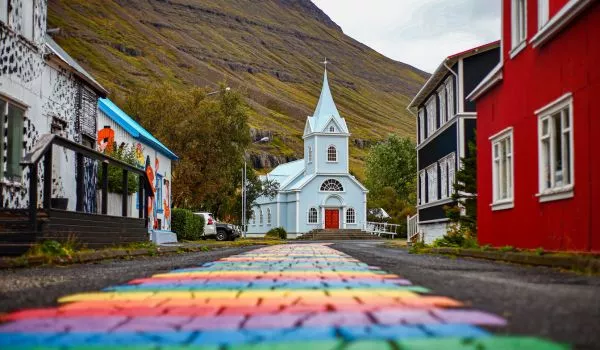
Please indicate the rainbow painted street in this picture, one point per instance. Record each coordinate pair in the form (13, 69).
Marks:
(296, 296)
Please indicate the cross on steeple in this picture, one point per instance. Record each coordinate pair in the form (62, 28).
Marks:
(325, 63)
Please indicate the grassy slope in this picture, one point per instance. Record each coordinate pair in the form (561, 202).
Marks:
(268, 49)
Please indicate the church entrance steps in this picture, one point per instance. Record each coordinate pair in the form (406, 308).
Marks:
(342, 234)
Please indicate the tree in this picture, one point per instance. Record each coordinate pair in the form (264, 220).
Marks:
(209, 134)
(465, 194)
(393, 163)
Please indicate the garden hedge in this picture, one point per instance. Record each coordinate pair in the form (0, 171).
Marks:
(186, 224)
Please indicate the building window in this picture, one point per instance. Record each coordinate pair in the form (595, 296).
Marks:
(313, 216)
(421, 125)
(350, 216)
(11, 127)
(450, 97)
(432, 183)
(422, 197)
(543, 13)
(27, 24)
(260, 217)
(502, 167)
(268, 216)
(309, 154)
(447, 176)
(332, 185)
(519, 22)
(431, 118)
(331, 129)
(331, 154)
(253, 217)
(4, 11)
(159, 182)
(555, 124)
(442, 97)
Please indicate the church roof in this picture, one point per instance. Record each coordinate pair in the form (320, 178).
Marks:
(285, 173)
(325, 112)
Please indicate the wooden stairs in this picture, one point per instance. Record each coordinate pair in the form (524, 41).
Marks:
(334, 235)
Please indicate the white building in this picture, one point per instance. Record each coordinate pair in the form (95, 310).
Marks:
(316, 192)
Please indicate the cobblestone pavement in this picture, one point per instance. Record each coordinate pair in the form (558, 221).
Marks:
(296, 296)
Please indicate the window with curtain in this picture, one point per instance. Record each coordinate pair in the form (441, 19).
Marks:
(502, 176)
(450, 97)
(422, 197)
(442, 98)
(421, 125)
(432, 183)
(519, 22)
(431, 117)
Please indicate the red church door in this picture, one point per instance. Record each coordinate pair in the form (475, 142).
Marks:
(332, 218)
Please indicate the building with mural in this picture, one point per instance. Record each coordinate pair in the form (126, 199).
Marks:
(42, 90)
(538, 171)
(118, 132)
(316, 192)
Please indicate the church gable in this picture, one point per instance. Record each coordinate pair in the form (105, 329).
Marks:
(333, 127)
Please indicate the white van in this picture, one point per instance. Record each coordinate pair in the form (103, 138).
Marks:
(210, 224)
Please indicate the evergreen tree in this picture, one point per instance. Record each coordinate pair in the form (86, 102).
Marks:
(465, 194)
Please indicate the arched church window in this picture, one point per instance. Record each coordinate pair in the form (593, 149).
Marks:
(313, 216)
(332, 129)
(331, 154)
(260, 218)
(268, 216)
(332, 185)
(350, 216)
(309, 154)
(253, 217)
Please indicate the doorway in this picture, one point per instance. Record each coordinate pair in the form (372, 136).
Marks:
(332, 218)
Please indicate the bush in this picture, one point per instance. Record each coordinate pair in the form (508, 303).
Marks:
(455, 241)
(277, 232)
(187, 225)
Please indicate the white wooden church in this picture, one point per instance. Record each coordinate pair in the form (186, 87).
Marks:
(316, 192)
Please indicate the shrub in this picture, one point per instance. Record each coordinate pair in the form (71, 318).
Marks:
(187, 225)
(277, 232)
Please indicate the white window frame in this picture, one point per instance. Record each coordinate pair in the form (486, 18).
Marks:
(268, 216)
(16, 178)
(331, 180)
(432, 179)
(543, 13)
(500, 171)
(310, 155)
(335, 154)
(4, 11)
(442, 98)
(443, 178)
(350, 214)
(421, 125)
(253, 217)
(518, 26)
(451, 173)
(431, 116)
(450, 97)
(422, 188)
(28, 19)
(563, 109)
(316, 216)
(260, 217)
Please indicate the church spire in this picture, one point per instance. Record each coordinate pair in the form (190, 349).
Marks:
(326, 107)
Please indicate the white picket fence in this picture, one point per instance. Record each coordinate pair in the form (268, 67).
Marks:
(382, 228)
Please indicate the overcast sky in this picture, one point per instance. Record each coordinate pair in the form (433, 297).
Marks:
(418, 32)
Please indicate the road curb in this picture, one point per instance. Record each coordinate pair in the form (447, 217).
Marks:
(583, 262)
(91, 256)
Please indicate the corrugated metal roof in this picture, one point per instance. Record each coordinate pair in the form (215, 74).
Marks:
(65, 57)
(132, 127)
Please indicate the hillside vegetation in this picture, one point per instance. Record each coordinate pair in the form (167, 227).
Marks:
(268, 49)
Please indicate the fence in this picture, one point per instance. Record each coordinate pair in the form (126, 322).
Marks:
(382, 228)
(412, 227)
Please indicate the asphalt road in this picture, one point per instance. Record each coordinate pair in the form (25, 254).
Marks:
(42, 286)
(561, 306)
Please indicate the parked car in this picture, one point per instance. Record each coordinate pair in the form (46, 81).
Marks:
(227, 232)
(210, 224)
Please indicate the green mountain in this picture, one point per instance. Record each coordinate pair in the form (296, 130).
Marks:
(269, 49)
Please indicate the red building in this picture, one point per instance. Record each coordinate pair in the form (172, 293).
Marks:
(538, 111)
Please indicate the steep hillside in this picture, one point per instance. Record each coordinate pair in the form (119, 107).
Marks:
(269, 49)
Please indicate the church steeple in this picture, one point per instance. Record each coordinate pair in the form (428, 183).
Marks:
(326, 111)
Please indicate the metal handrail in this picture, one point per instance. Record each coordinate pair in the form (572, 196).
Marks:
(43, 149)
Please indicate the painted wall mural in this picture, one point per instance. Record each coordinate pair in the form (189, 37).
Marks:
(105, 139)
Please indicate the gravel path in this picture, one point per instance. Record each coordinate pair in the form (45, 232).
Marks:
(41, 286)
(562, 306)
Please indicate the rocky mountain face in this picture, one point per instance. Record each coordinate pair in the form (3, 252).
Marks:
(270, 50)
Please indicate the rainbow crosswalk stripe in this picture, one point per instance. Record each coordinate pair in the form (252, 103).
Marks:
(295, 296)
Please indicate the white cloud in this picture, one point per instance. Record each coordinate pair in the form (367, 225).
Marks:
(417, 32)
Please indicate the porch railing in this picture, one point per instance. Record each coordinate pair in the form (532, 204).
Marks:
(43, 149)
(382, 228)
(412, 227)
